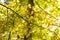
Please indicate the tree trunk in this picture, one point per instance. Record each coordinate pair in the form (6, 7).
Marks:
(30, 8)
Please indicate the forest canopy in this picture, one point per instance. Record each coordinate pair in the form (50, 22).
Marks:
(29, 19)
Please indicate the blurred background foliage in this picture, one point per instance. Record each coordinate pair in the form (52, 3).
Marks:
(29, 19)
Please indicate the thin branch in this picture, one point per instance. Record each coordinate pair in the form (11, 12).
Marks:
(9, 38)
(44, 10)
(13, 11)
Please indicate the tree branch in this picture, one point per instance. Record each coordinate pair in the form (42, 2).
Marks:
(13, 11)
(44, 10)
(9, 38)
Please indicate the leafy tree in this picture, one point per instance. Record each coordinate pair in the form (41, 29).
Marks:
(30, 20)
